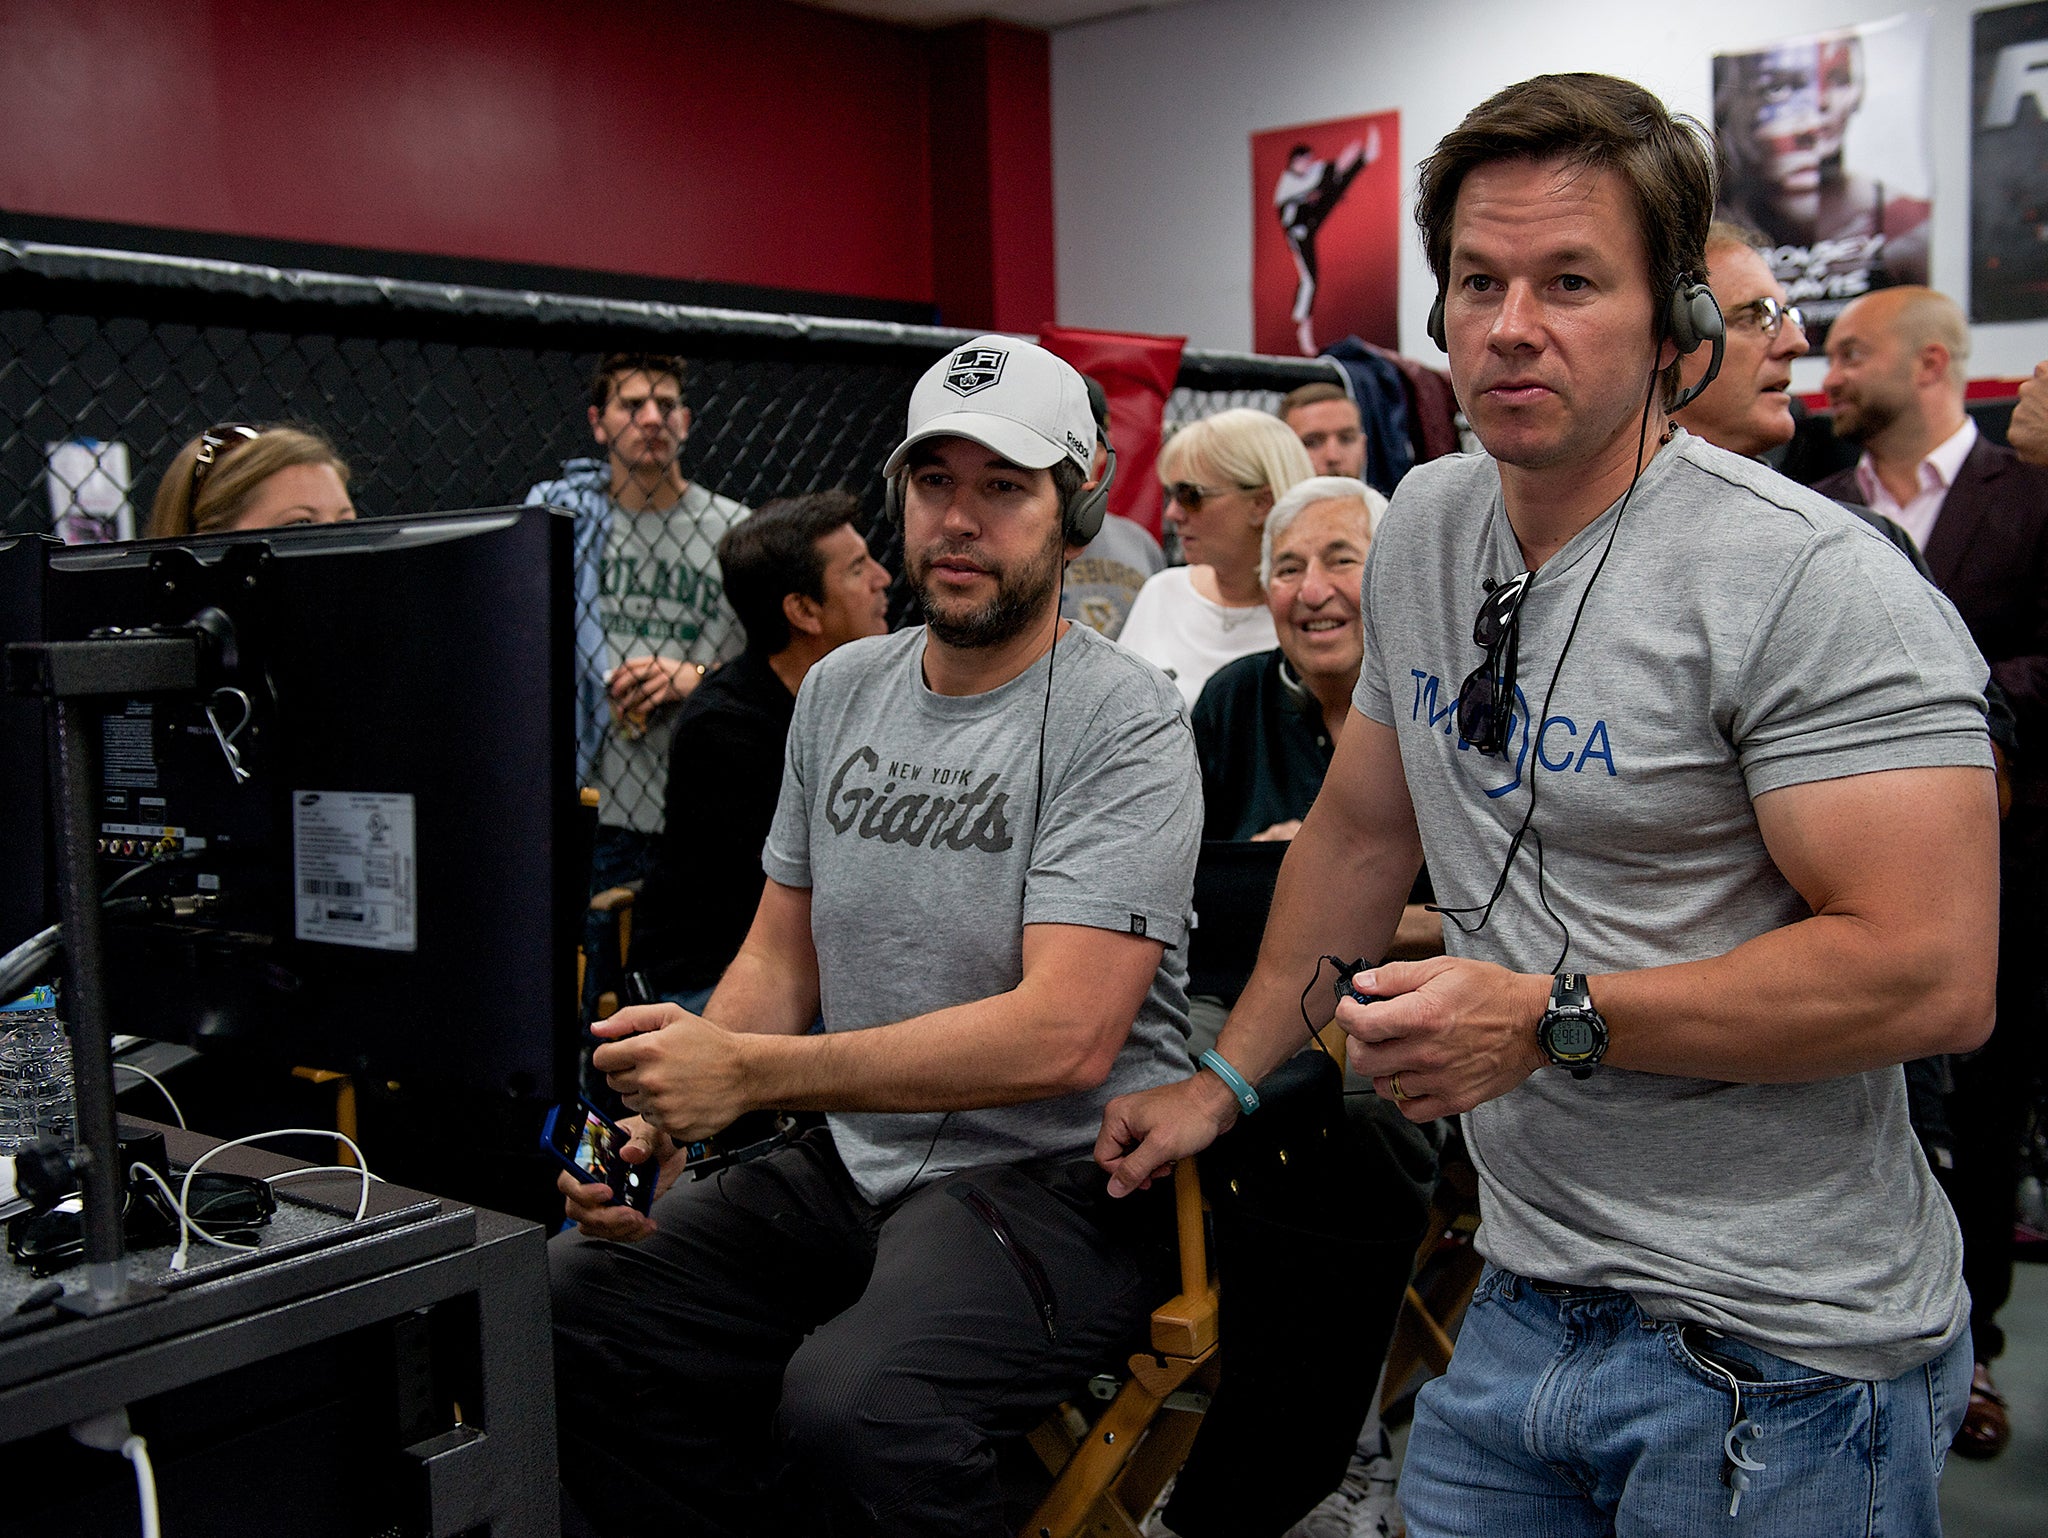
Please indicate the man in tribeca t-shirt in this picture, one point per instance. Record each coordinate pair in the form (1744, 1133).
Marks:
(1702, 775)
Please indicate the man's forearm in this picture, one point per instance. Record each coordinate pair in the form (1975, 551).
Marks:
(1899, 960)
(1059, 1030)
(760, 994)
(1899, 870)
(991, 1052)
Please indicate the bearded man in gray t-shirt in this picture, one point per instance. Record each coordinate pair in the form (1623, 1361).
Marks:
(979, 880)
(1711, 742)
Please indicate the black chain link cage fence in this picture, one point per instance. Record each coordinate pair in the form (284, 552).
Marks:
(443, 397)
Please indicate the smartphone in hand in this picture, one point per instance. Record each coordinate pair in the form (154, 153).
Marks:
(586, 1142)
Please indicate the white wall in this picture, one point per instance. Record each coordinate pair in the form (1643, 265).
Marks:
(1152, 115)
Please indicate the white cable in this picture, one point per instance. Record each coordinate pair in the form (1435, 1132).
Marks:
(109, 1432)
(185, 1190)
(187, 1225)
(362, 1198)
(136, 1451)
(169, 1098)
(181, 1199)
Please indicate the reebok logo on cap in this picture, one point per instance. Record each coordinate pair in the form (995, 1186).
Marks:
(974, 369)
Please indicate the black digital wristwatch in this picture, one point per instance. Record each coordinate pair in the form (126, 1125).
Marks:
(1572, 1033)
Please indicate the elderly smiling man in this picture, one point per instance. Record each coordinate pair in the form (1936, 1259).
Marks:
(1266, 725)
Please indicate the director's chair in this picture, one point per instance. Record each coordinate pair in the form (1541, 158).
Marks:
(1111, 1473)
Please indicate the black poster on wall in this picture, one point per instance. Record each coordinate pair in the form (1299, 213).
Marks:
(2009, 165)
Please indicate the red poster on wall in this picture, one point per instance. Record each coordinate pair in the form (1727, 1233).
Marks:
(1326, 237)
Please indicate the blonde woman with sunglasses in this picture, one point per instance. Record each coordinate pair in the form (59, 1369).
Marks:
(1222, 476)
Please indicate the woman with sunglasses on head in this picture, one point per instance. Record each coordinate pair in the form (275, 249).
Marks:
(236, 476)
(1223, 474)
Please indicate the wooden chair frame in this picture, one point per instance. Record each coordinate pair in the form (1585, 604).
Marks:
(1111, 1473)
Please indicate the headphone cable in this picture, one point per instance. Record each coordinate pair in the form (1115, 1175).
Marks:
(1532, 733)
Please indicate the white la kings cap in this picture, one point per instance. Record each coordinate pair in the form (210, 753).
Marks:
(1011, 397)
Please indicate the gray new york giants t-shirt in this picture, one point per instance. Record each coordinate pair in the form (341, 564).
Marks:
(1746, 634)
(914, 818)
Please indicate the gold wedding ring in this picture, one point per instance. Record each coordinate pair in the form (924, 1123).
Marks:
(1394, 1083)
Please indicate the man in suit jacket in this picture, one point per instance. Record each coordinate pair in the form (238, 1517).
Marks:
(1897, 366)
(2027, 432)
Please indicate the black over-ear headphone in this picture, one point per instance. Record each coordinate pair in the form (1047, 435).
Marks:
(1084, 517)
(1091, 505)
(1696, 318)
(1436, 322)
(1691, 318)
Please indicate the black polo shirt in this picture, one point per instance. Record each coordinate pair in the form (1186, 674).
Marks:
(724, 775)
(1262, 745)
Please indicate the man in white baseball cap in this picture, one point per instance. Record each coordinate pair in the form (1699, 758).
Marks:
(979, 876)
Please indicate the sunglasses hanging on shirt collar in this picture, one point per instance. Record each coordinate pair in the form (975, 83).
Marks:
(1486, 699)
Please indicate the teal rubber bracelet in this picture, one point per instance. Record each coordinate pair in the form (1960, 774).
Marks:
(1235, 1082)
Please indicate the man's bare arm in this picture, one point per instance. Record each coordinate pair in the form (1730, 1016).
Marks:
(1341, 892)
(1058, 1030)
(770, 989)
(1898, 961)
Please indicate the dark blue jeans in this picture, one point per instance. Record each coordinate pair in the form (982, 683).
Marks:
(620, 855)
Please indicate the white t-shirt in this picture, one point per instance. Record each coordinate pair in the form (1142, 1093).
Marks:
(1178, 630)
(660, 595)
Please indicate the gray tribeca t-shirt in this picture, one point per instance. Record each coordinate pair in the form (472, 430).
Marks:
(914, 819)
(1746, 634)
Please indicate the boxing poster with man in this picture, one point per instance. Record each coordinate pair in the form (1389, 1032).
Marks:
(1326, 231)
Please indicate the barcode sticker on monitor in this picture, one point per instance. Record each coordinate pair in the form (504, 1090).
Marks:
(354, 869)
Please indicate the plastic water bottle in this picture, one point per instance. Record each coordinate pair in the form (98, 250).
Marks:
(35, 1073)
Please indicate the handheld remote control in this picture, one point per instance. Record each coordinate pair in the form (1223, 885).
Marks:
(1344, 989)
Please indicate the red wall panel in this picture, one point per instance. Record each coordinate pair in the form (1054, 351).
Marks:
(743, 142)
(1020, 177)
(991, 155)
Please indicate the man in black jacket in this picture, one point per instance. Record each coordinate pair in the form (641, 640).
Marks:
(1897, 368)
(800, 578)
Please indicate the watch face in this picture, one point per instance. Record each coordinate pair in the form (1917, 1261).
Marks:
(1570, 1037)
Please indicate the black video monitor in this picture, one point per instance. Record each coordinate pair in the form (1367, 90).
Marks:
(27, 899)
(393, 882)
